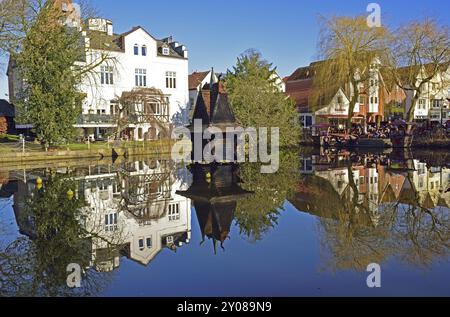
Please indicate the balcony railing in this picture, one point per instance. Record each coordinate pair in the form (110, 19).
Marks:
(112, 119)
(96, 118)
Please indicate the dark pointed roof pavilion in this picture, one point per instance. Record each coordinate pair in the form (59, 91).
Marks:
(213, 107)
(214, 193)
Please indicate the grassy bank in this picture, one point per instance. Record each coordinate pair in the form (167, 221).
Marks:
(81, 151)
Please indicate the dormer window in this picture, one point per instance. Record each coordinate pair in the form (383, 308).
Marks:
(136, 49)
(165, 51)
(144, 50)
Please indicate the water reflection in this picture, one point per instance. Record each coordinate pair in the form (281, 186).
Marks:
(368, 208)
(375, 206)
(215, 191)
(93, 216)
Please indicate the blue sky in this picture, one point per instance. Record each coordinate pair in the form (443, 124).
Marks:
(216, 32)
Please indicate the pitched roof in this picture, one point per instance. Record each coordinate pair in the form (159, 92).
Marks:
(116, 42)
(301, 73)
(196, 78)
(102, 41)
(408, 73)
(213, 107)
(305, 72)
(300, 91)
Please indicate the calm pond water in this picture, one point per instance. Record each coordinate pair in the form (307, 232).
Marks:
(147, 227)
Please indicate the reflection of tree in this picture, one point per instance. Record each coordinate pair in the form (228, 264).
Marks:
(421, 233)
(37, 266)
(146, 190)
(404, 227)
(347, 232)
(257, 213)
(351, 244)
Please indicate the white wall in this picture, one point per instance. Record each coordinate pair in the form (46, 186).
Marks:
(99, 96)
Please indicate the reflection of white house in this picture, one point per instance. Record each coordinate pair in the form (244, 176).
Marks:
(431, 183)
(339, 178)
(138, 224)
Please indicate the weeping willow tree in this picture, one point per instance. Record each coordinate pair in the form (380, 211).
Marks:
(349, 50)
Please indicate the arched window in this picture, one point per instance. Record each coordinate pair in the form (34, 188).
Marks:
(144, 50)
(136, 49)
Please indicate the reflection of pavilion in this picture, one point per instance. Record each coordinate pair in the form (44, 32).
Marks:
(215, 192)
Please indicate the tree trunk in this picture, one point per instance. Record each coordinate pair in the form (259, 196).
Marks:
(410, 114)
(351, 107)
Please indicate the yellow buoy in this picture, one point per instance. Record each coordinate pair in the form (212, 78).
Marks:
(39, 183)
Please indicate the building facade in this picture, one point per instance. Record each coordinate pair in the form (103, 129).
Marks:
(120, 64)
(433, 103)
(334, 106)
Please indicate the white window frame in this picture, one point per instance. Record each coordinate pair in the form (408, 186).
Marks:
(140, 77)
(174, 212)
(141, 247)
(422, 103)
(165, 51)
(111, 221)
(107, 75)
(171, 80)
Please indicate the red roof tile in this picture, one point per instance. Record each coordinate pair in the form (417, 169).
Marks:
(300, 91)
(196, 79)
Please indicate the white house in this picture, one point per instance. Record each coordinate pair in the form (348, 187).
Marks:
(119, 64)
(278, 82)
(197, 80)
(135, 60)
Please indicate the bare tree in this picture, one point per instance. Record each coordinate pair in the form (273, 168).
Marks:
(419, 54)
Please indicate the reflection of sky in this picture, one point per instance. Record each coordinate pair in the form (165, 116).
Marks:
(286, 263)
(8, 226)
